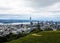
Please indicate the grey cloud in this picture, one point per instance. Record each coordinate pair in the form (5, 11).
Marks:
(3, 8)
(10, 15)
(43, 3)
(13, 15)
(55, 11)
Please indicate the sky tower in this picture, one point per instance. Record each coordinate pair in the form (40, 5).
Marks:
(30, 23)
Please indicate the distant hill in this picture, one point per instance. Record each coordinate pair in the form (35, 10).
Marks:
(15, 21)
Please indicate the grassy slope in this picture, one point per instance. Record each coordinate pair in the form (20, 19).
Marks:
(46, 37)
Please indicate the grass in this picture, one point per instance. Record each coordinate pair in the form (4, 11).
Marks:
(40, 37)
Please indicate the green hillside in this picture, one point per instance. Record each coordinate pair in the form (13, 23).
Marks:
(40, 37)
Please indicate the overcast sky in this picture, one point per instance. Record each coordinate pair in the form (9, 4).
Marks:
(23, 9)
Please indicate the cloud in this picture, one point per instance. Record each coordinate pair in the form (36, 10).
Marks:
(37, 9)
(43, 3)
(14, 6)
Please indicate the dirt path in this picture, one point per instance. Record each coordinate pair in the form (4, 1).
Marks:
(36, 35)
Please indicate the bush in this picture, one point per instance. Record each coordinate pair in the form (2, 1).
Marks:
(10, 37)
(48, 29)
(35, 30)
(3, 39)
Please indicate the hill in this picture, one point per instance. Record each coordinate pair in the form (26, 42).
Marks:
(40, 37)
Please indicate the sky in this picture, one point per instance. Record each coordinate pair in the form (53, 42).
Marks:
(23, 9)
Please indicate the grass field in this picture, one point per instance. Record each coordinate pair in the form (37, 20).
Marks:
(40, 37)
